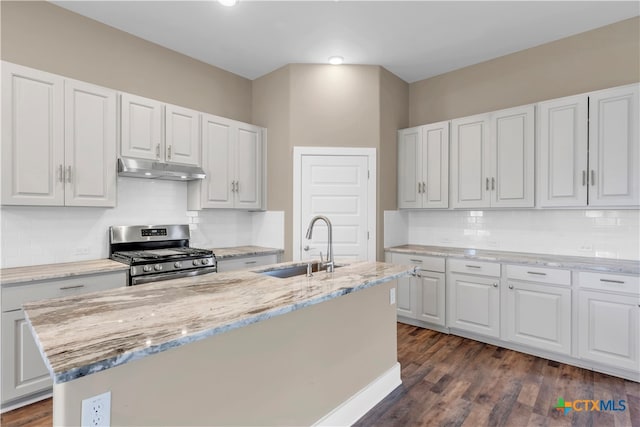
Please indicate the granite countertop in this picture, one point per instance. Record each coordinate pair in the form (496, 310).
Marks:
(92, 332)
(33, 273)
(242, 251)
(603, 265)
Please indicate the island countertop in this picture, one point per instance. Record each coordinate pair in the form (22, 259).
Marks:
(89, 333)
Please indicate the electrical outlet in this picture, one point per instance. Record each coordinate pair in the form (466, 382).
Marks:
(586, 247)
(82, 250)
(392, 296)
(96, 411)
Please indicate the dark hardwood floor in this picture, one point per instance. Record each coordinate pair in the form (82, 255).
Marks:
(454, 381)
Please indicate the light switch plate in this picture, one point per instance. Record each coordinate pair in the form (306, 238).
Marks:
(392, 296)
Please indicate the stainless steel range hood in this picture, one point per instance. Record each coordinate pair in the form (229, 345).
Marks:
(138, 168)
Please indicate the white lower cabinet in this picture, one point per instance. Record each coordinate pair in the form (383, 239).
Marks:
(421, 297)
(538, 314)
(241, 263)
(24, 373)
(609, 320)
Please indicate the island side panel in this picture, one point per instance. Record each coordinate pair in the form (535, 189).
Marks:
(287, 370)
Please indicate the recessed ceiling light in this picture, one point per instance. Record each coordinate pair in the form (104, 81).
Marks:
(228, 2)
(336, 60)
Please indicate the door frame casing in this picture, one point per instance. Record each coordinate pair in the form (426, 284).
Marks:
(298, 153)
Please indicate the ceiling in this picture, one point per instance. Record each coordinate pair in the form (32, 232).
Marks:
(412, 39)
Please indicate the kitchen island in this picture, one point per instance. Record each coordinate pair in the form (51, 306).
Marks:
(238, 348)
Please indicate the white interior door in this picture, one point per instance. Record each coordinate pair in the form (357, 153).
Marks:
(338, 187)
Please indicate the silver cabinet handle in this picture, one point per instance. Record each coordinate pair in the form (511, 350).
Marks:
(250, 262)
(495, 285)
(584, 178)
(621, 282)
(510, 286)
(472, 266)
(593, 177)
(237, 186)
(424, 187)
(419, 188)
(168, 152)
(419, 261)
(487, 185)
(69, 174)
(537, 273)
(61, 173)
(65, 288)
(158, 151)
(493, 183)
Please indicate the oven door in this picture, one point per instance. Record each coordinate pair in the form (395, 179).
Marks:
(172, 275)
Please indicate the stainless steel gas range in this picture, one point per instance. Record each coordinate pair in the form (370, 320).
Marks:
(158, 252)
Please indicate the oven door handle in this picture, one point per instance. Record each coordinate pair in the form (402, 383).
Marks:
(172, 275)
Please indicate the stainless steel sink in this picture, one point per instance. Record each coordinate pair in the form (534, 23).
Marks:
(294, 270)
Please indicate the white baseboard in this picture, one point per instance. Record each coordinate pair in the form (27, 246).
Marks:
(360, 403)
(24, 402)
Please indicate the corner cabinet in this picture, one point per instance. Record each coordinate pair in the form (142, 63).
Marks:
(423, 167)
(233, 156)
(589, 149)
(58, 140)
(160, 132)
(492, 159)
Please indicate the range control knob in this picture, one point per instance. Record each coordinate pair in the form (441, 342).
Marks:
(147, 268)
(205, 261)
(157, 267)
(177, 264)
(195, 262)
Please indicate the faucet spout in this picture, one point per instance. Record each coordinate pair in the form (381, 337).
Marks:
(330, 263)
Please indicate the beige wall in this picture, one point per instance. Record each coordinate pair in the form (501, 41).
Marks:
(49, 38)
(604, 57)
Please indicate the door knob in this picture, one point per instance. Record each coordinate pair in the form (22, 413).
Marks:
(306, 248)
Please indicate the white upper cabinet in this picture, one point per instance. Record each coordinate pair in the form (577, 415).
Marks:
(182, 141)
(141, 127)
(58, 140)
(492, 159)
(90, 145)
(614, 147)
(588, 150)
(233, 159)
(160, 132)
(423, 166)
(562, 152)
(32, 137)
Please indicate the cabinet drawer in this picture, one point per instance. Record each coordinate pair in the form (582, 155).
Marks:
(426, 263)
(474, 267)
(609, 282)
(246, 262)
(14, 296)
(537, 274)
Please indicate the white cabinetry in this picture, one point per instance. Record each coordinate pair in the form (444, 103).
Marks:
(422, 297)
(473, 296)
(492, 159)
(160, 132)
(24, 373)
(538, 307)
(233, 159)
(58, 140)
(609, 320)
(241, 263)
(588, 149)
(423, 166)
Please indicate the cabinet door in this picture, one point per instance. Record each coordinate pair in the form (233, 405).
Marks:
(406, 300)
(562, 152)
(90, 145)
(539, 316)
(409, 168)
(430, 296)
(512, 137)
(23, 370)
(141, 128)
(614, 147)
(470, 159)
(609, 329)
(32, 137)
(182, 137)
(249, 167)
(217, 156)
(435, 165)
(474, 304)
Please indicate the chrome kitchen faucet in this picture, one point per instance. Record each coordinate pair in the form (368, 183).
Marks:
(329, 264)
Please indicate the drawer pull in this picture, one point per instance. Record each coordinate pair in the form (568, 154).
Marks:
(537, 273)
(250, 262)
(65, 288)
(621, 282)
(495, 285)
(415, 260)
(472, 266)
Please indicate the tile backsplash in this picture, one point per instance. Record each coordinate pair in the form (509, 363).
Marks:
(596, 233)
(33, 235)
